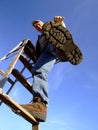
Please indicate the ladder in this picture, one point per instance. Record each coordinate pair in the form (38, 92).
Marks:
(25, 54)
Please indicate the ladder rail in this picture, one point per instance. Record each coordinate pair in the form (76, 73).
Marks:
(11, 70)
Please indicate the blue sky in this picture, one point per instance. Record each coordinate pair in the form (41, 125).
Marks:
(73, 90)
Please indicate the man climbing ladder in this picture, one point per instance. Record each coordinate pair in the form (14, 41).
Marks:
(54, 45)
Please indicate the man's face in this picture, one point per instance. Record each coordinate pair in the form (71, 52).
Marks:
(38, 26)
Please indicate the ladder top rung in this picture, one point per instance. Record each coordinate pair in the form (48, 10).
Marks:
(25, 62)
(30, 50)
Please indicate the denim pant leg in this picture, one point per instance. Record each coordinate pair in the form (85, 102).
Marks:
(41, 68)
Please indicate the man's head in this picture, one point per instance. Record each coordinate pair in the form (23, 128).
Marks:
(38, 25)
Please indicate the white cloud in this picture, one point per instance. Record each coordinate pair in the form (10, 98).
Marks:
(56, 122)
(60, 124)
(15, 94)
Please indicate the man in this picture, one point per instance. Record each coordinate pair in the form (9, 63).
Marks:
(46, 58)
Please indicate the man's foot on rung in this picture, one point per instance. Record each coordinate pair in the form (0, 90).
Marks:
(37, 109)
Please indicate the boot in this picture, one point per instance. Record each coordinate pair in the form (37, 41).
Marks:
(37, 109)
(62, 40)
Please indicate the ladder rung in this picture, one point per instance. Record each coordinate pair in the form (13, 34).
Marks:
(22, 80)
(25, 62)
(16, 108)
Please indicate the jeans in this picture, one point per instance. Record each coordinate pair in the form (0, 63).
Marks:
(41, 68)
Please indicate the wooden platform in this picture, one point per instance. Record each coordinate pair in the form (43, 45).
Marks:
(17, 109)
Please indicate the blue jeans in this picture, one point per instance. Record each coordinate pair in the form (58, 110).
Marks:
(42, 67)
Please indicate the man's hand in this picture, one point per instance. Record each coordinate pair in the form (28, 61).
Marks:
(58, 19)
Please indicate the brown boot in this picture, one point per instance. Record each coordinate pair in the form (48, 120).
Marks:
(37, 109)
(62, 40)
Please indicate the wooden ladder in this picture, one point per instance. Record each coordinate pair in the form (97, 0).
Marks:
(25, 51)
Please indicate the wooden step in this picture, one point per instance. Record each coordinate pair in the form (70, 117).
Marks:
(22, 80)
(17, 109)
(25, 62)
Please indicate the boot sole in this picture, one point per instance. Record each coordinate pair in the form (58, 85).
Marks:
(62, 41)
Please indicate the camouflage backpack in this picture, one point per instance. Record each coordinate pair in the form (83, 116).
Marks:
(62, 40)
